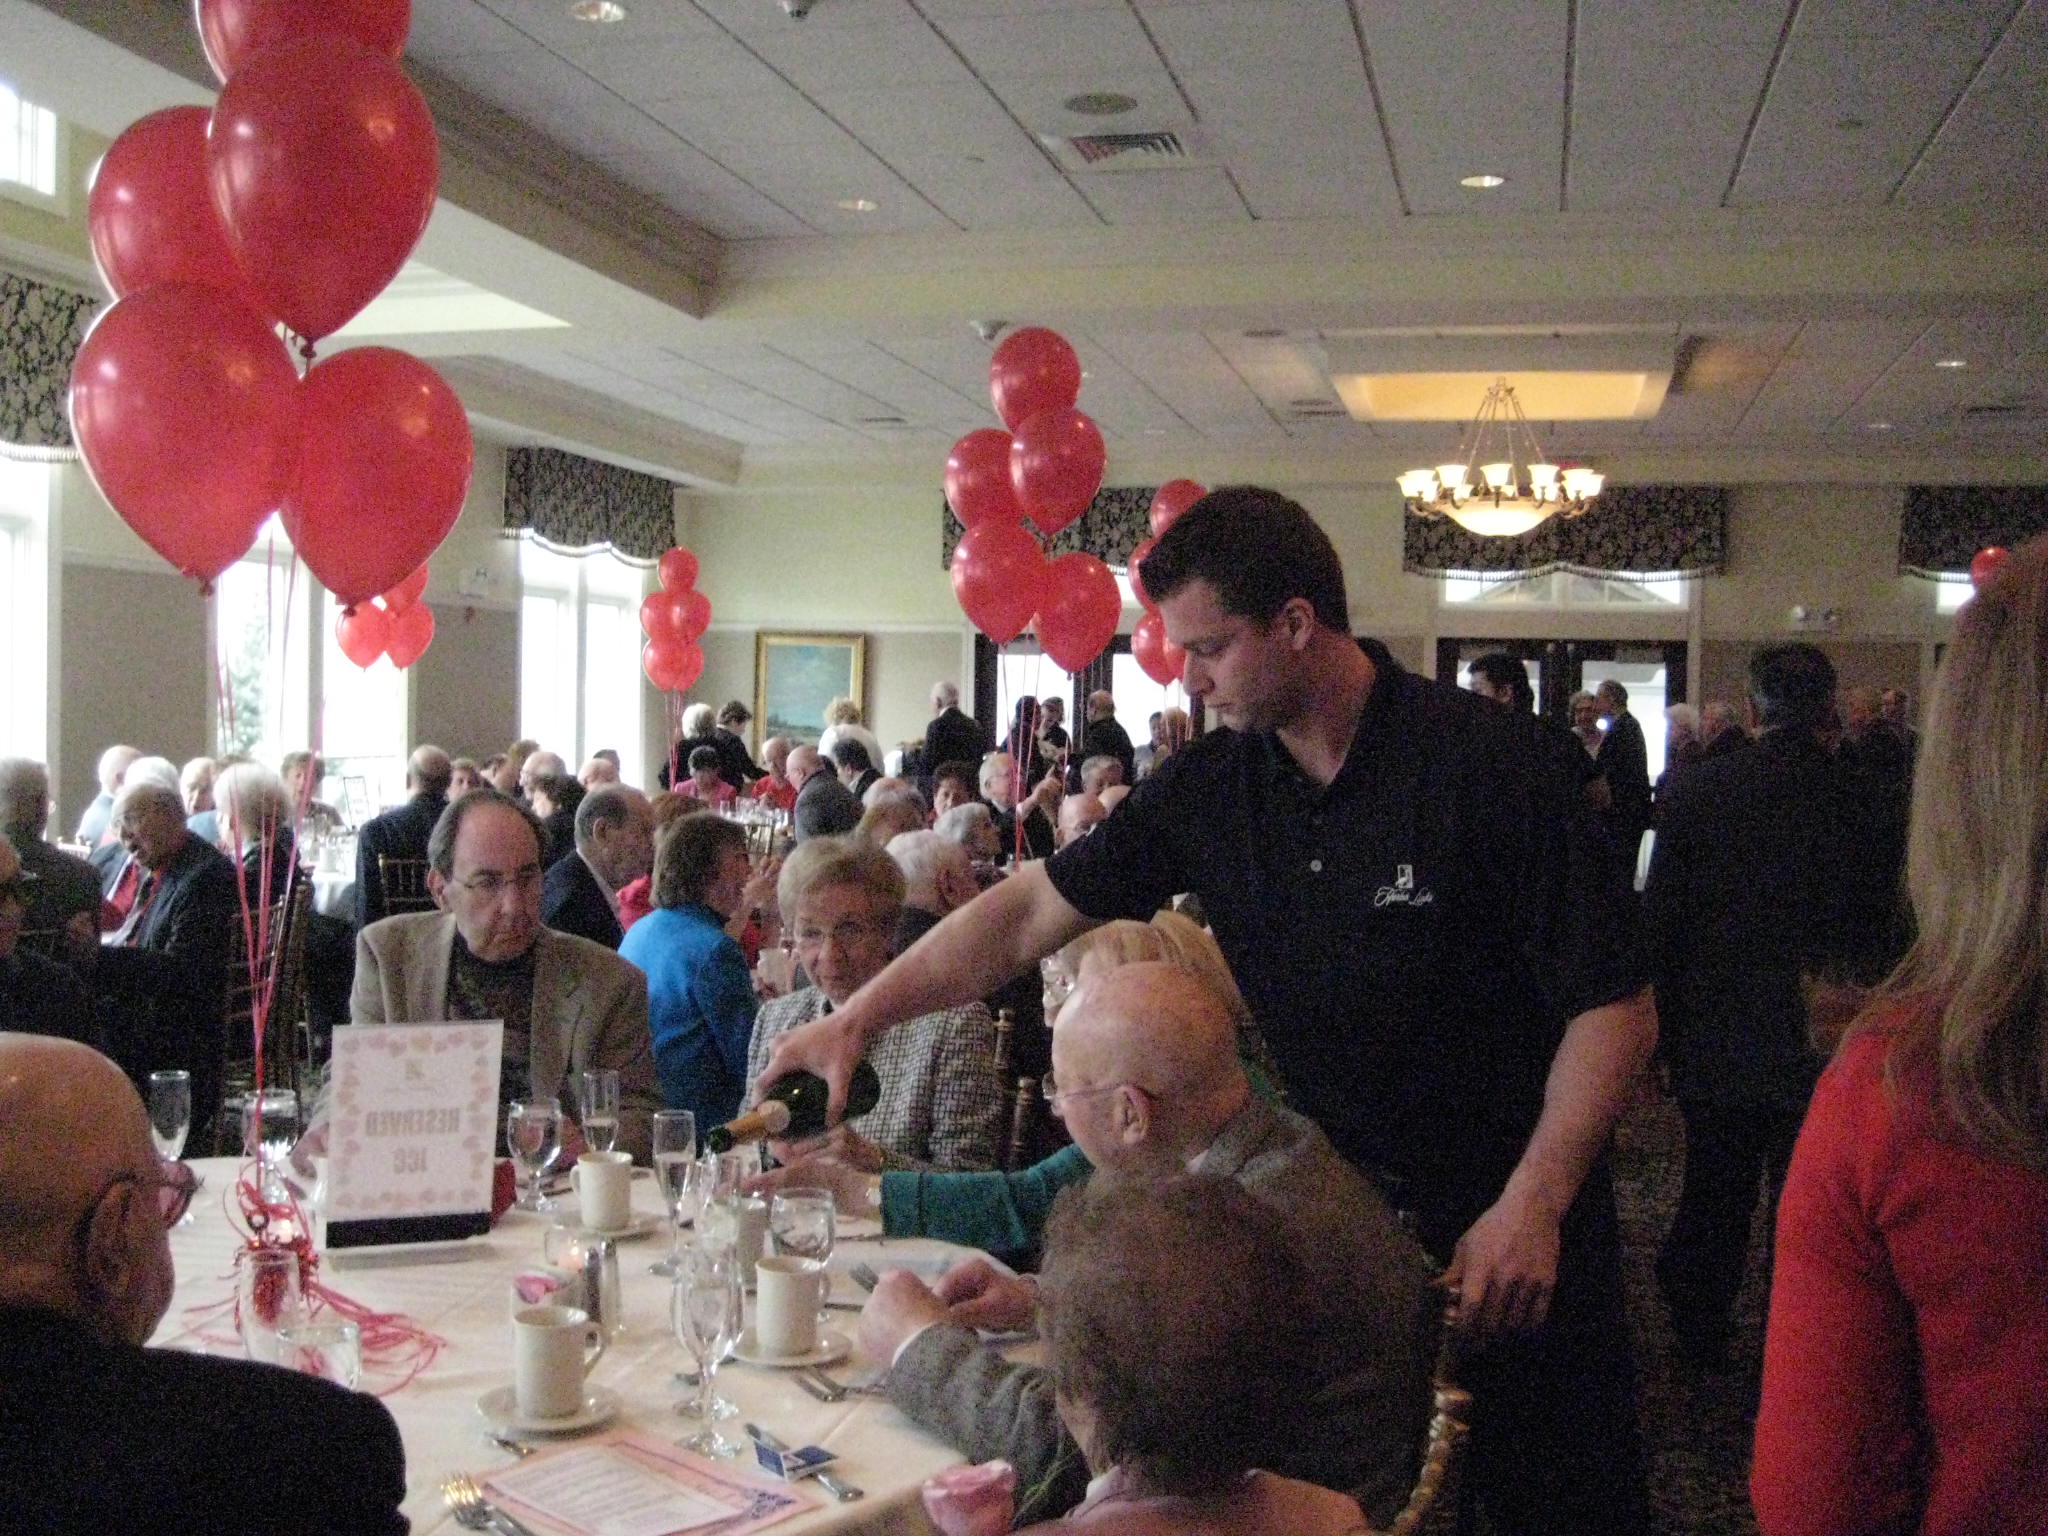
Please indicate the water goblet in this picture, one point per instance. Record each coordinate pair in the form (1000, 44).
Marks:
(682, 1187)
(270, 1128)
(597, 1098)
(705, 1308)
(328, 1347)
(800, 1223)
(170, 1112)
(533, 1133)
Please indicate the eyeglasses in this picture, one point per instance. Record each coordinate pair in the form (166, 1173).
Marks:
(174, 1183)
(491, 884)
(1056, 1097)
(846, 935)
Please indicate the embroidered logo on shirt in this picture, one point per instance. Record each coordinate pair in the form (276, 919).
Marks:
(1403, 892)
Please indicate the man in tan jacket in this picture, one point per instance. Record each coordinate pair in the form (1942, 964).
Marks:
(568, 1005)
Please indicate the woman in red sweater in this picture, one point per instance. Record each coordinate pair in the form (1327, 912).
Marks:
(1906, 1363)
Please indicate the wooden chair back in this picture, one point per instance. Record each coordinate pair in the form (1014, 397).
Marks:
(1449, 1423)
(281, 969)
(405, 884)
(47, 942)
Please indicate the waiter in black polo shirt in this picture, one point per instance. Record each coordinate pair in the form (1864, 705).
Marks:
(1419, 918)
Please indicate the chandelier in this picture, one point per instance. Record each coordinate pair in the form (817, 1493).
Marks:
(1515, 488)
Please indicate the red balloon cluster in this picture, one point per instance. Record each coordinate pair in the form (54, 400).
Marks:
(674, 620)
(395, 624)
(296, 199)
(1047, 467)
(1158, 657)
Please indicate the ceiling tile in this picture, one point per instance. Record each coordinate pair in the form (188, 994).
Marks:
(711, 62)
(1972, 159)
(862, 58)
(1098, 49)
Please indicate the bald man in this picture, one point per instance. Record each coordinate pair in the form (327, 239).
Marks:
(1146, 1076)
(98, 1433)
(1078, 816)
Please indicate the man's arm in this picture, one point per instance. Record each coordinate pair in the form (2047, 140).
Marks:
(366, 995)
(1505, 1265)
(965, 957)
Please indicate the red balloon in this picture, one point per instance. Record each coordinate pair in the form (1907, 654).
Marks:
(1033, 370)
(1985, 561)
(363, 633)
(407, 592)
(1138, 582)
(411, 633)
(999, 577)
(323, 164)
(1078, 614)
(1158, 657)
(692, 613)
(150, 212)
(672, 665)
(383, 467)
(185, 405)
(678, 570)
(232, 30)
(1170, 500)
(978, 485)
(1056, 467)
(657, 616)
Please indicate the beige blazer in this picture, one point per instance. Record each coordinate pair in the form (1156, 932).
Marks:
(589, 1008)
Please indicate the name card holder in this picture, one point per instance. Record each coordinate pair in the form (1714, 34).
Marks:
(412, 1133)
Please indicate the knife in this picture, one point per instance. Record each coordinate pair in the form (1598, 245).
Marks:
(845, 1492)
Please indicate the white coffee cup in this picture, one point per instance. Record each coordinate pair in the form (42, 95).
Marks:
(788, 1290)
(553, 1349)
(604, 1188)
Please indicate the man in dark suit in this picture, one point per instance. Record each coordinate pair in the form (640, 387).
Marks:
(401, 833)
(554, 793)
(824, 806)
(1623, 763)
(98, 1433)
(736, 764)
(1102, 736)
(1769, 875)
(614, 847)
(951, 736)
(64, 892)
(37, 995)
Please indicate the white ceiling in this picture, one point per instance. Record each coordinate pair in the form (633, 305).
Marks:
(1816, 200)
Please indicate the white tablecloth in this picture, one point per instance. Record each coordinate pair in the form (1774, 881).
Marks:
(468, 1303)
(334, 892)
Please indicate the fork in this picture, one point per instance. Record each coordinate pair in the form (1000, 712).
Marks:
(864, 1276)
(473, 1512)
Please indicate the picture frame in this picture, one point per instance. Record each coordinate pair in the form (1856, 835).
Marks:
(796, 675)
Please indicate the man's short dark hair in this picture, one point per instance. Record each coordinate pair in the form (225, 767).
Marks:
(1792, 685)
(1614, 691)
(1178, 1313)
(735, 713)
(1258, 550)
(609, 805)
(849, 753)
(1504, 671)
(687, 854)
(966, 775)
(703, 757)
(441, 843)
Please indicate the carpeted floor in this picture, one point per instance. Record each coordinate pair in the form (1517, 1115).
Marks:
(1696, 1423)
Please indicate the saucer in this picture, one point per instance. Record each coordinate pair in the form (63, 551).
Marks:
(639, 1226)
(831, 1346)
(500, 1408)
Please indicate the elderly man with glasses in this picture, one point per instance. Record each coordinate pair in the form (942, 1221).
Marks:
(568, 1005)
(98, 1433)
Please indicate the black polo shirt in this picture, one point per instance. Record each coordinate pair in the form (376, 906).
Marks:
(1412, 939)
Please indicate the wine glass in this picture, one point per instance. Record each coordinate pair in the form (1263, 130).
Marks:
(597, 1098)
(170, 1117)
(705, 1310)
(800, 1224)
(270, 1128)
(533, 1133)
(682, 1190)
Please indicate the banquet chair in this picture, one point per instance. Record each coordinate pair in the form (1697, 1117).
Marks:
(1029, 1137)
(1432, 1507)
(282, 968)
(405, 885)
(46, 942)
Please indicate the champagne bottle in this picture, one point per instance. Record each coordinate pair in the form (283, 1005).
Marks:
(794, 1107)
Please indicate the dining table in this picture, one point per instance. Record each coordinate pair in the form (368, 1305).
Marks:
(463, 1295)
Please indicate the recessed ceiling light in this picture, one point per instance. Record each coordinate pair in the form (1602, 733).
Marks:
(1100, 103)
(1951, 362)
(1484, 182)
(1851, 124)
(1877, 426)
(598, 10)
(858, 204)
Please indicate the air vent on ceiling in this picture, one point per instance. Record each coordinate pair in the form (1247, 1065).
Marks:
(1159, 149)
(880, 421)
(1313, 410)
(2007, 413)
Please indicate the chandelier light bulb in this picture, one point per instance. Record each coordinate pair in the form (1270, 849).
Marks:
(1521, 487)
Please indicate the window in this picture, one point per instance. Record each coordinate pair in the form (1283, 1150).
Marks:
(24, 608)
(579, 655)
(1569, 589)
(1950, 595)
(363, 726)
(259, 625)
(28, 147)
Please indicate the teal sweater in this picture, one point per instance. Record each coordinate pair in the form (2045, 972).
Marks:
(1001, 1213)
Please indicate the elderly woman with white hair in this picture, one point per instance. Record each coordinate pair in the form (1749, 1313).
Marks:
(942, 1105)
(255, 815)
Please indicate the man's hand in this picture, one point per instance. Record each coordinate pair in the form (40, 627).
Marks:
(901, 1305)
(1504, 1269)
(978, 1295)
(848, 1186)
(831, 1047)
(841, 1144)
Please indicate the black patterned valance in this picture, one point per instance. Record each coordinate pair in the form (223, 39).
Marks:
(1943, 526)
(1114, 525)
(1632, 529)
(41, 326)
(575, 504)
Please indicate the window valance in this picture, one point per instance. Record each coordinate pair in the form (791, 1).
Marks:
(1114, 525)
(41, 326)
(1632, 529)
(1943, 526)
(574, 504)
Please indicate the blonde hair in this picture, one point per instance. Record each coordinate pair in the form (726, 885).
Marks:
(1169, 937)
(890, 817)
(817, 862)
(1975, 983)
(843, 711)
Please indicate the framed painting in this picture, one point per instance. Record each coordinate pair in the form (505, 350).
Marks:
(796, 676)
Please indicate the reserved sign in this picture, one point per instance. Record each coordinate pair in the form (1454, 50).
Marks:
(412, 1129)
